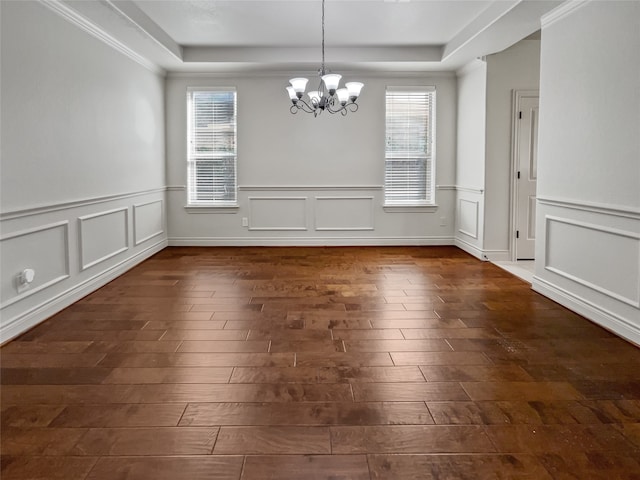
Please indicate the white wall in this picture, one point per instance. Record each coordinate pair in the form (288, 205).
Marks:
(82, 185)
(516, 68)
(588, 220)
(306, 180)
(470, 162)
(483, 164)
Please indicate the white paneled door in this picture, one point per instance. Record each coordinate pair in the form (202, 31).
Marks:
(526, 176)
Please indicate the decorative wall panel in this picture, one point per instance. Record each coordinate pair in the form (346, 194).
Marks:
(342, 213)
(102, 236)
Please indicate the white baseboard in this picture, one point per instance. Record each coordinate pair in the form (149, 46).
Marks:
(497, 255)
(484, 255)
(606, 319)
(26, 320)
(469, 248)
(307, 241)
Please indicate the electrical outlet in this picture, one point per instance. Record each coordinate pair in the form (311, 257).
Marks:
(245, 222)
(24, 279)
(26, 276)
(443, 221)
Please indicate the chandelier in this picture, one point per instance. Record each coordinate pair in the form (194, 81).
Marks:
(328, 97)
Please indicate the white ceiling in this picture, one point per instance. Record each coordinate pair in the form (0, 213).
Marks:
(285, 22)
(272, 35)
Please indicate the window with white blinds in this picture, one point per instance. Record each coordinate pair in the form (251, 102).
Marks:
(409, 152)
(212, 145)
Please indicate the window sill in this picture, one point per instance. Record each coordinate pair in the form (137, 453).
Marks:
(212, 208)
(410, 208)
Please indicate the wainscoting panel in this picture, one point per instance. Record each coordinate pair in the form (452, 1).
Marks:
(103, 235)
(320, 215)
(469, 226)
(468, 217)
(148, 221)
(589, 261)
(43, 249)
(344, 213)
(74, 248)
(278, 213)
(603, 259)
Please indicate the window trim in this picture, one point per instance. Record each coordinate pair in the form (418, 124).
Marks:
(418, 205)
(212, 206)
(203, 208)
(409, 207)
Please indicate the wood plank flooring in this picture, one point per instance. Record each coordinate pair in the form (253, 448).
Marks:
(319, 363)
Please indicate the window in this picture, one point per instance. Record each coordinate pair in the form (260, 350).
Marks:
(409, 152)
(212, 149)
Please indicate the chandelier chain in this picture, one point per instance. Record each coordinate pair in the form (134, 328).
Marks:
(323, 71)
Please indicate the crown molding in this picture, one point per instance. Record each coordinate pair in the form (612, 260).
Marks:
(562, 11)
(97, 32)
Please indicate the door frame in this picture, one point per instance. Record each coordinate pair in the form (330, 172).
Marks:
(516, 99)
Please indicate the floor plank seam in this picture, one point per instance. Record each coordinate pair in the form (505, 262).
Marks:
(363, 363)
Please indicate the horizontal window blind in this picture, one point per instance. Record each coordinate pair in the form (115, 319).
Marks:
(212, 147)
(409, 147)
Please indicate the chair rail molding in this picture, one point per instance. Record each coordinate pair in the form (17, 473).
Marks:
(604, 208)
(54, 207)
(461, 188)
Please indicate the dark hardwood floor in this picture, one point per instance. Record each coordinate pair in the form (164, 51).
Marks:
(319, 363)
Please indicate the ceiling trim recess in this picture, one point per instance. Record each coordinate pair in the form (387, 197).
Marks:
(294, 54)
(562, 11)
(478, 25)
(427, 59)
(424, 75)
(92, 29)
(140, 20)
(513, 24)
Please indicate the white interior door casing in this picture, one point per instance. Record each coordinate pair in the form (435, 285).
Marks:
(526, 163)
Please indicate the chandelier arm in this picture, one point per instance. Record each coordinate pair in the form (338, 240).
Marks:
(344, 109)
(305, 107)
(332, 109)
